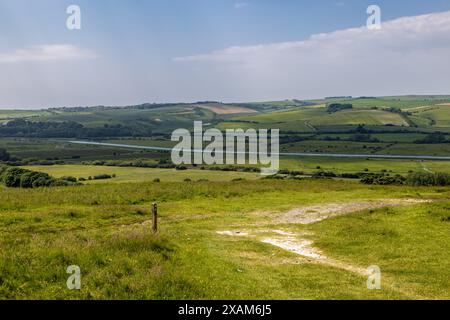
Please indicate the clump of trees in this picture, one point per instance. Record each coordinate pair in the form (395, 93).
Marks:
(14, 177)
(336, 107)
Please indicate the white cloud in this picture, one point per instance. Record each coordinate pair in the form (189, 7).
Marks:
(47, 52)
(408, 55)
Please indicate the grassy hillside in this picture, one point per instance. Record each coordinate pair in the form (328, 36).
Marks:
(399, 102)
(415, 113)
(104, 229)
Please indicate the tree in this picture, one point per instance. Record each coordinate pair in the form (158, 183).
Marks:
(436, 137)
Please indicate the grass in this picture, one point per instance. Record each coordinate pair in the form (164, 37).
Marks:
(304, 119)
(419, 234)
(440, 115)
(309, 165)
(356, 117)
(128, 174)
(98, 227)
(399, 102)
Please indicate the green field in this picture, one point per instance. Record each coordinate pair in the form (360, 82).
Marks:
(139, 174)
(403, 167)
(103, 229)
(298, 119)
(400, 102)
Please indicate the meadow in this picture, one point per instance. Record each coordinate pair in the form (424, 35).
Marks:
(122, 174)
(104, 229)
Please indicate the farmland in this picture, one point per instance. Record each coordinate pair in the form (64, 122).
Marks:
(226, 232)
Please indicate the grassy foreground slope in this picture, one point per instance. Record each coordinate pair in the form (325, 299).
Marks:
(103, 229)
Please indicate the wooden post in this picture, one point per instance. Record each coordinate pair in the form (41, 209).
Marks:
(154, 218)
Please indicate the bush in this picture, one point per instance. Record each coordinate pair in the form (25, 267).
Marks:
(20, 178)
(275, 177)
(12, 176)
(60, 183)
(43, 182)
(429, 179)
(102, 177)
(69, 178)
(336, 107)
(350, 176)
(324, 174)
(382, 179)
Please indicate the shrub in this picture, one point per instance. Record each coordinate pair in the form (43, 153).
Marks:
(102, 177)
(43, 182)
(324, 174)
(336, 107)
(429, 179)
(20, 178)
(275, 177)
(12, 176)
(69, 178)
(350, 176)
(382, 179)
(60, 183)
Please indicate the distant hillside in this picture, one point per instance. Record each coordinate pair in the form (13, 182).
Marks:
(422, 114)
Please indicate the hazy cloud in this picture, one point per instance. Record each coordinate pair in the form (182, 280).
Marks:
(47, 52)
(240, 5)
(408, 55)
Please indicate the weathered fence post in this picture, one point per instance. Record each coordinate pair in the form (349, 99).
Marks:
(155, 218)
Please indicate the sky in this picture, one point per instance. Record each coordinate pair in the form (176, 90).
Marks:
(139, 51)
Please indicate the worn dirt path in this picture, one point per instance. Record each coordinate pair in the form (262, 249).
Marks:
(299, 244)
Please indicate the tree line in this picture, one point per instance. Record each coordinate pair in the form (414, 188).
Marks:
(67, 129)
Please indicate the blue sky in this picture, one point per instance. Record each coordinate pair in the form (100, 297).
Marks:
(138, 51)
